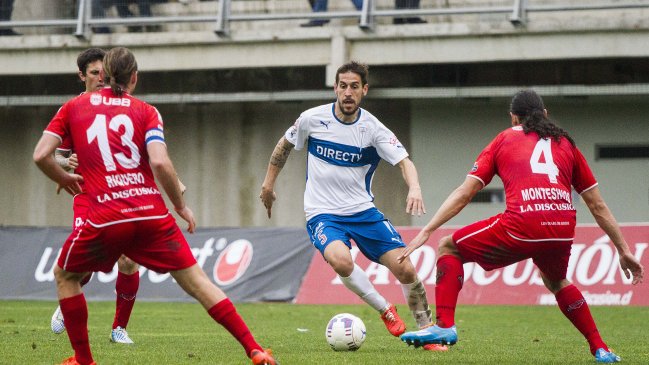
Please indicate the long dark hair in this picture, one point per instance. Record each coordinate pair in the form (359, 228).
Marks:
(528, 106)
(119, 65)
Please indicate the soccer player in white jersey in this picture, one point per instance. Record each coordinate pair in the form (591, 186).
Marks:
(90, 64)
(345, 145)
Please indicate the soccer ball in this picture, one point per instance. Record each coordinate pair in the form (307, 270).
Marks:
(345, 332)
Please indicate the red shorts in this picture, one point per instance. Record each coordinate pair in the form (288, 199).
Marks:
(157, 244)
(80, 204)
(489, 245)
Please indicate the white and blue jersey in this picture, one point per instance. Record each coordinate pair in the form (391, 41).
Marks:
(342, 159)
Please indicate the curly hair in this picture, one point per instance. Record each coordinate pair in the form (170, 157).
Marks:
(528, 106)
(89, 56)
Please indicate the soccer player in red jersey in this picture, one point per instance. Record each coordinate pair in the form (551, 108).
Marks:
(538, 163)
(119, 141)
(90, 64)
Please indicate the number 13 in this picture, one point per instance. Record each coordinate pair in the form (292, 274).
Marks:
(99, 132)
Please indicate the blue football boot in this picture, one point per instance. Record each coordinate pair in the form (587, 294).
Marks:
(607, 357)
(432, 334)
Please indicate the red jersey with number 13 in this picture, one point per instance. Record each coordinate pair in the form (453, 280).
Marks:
(537, 175)
(110, 133)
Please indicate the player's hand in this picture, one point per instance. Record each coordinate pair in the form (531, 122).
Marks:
(73, 161)
(70, 184)
(416, 242)
(187, 214)
(415, 202)
(267, 197)
(631, 266)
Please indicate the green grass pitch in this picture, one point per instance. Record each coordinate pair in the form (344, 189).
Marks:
(182, 333)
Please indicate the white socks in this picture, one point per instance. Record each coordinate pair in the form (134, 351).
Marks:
(359, 283)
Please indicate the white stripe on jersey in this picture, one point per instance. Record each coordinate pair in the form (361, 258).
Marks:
(342, 159)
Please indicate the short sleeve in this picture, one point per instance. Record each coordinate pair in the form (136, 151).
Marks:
(582, 176)
(484, 167)
(66, 144)
(154, 126)
(298, 133)
(388, 145)
(58, 126)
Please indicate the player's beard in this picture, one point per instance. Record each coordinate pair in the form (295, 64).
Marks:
(341, 105)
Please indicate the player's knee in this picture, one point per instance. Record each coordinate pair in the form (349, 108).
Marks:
(405, 273)
(127, 266)
(555, 285)
(341, 265)
(447, 247)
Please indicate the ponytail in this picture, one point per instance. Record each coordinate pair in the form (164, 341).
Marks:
(119, 66)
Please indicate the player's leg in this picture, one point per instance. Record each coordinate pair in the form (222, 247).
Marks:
(194, 281)
(74, 308)
(80, 205)
(338, 256)
(574, 307)
(163, 248)
(57, 323)
(126, 286)
(413, 291)
(450, 278)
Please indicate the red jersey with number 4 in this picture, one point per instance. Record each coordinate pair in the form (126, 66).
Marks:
(109, 135)
(537, 175)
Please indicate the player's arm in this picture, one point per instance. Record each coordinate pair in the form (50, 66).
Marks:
(183, 188)
(453, 205)
(44, 159)
(165, 173)
(608, 223)
(66, 159)
(414, 201)
(277, 161)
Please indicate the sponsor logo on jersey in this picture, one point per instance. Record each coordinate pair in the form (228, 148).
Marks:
(475, 167)
(97, 99)
(233, 262)
(326, 124)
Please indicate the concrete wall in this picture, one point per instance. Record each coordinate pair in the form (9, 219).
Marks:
(221, 152)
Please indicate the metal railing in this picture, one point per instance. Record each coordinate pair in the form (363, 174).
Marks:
(367, 16)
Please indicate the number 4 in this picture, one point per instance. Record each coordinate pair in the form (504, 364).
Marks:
(544, 148)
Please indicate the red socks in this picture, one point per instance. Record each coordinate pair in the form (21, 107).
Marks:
(226, 315)
(75, 312)
(126, 288)
(450, 278)
(574, 307)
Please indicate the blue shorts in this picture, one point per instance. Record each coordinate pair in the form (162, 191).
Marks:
(373, 233)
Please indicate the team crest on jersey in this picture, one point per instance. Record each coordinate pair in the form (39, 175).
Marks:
(95, 99)
(395, 142)
(475, 167)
